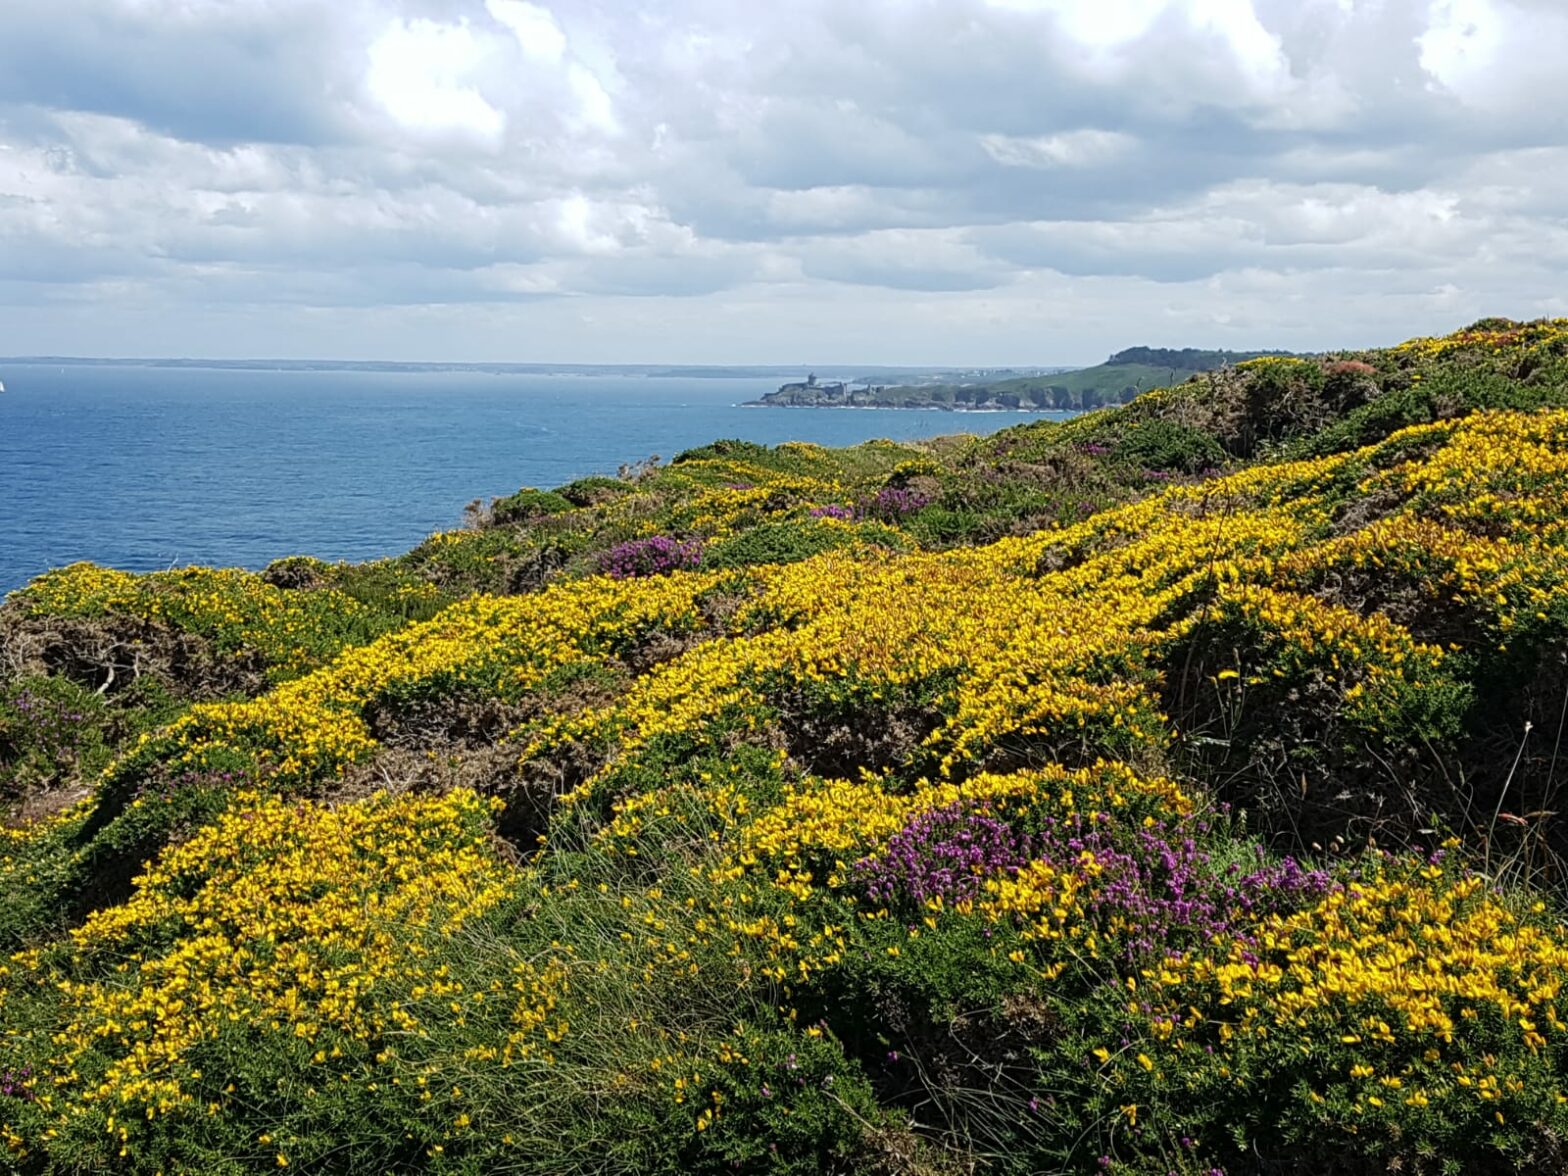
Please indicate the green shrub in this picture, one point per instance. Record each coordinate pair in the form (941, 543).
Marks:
(940, 526)
(297, 571)
(776, 543)
(392, 592)
(527, 504)
(57, 736)
(1169, 445)
(728, 448)
(592, 490)
(52, 732)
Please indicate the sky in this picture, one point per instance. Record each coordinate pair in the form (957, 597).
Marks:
(940, 182)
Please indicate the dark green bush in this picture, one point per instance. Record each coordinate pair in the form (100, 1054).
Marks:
(594, 489)
(1450, 391)
(1169, 445)
(939, 526)
(297, 571)
(527, 504)
(776, 543)
(726, 448)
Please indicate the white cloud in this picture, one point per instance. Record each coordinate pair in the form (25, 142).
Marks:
(1094, 26)
(595, 109)
(420, 72)
(1497, 56)
(1463, 42)
(1085, 148)
(539, 37)
(980, 175)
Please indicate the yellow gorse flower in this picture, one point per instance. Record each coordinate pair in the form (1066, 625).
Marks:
(285, 916)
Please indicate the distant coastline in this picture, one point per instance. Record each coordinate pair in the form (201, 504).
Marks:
(1118, 380)
(913, 406)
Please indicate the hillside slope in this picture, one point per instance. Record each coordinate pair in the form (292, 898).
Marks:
(1169, 789)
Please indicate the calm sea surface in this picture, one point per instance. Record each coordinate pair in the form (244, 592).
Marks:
(141, 468)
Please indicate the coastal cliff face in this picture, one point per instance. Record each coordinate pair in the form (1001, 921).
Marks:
(1162, 789)
(951, 398)
(828, 394)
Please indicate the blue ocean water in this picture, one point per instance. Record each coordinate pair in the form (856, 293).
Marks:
(143, 468)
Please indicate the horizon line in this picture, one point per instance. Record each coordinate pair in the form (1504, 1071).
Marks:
(264, 362)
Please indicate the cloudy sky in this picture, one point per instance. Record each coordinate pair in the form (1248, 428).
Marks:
(899, 181)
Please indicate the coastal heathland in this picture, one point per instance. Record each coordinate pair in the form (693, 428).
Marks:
(1171, 789)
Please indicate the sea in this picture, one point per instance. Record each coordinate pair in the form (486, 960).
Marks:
(143, 468)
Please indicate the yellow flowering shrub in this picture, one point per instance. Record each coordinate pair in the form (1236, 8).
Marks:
(314, 726)
(299, 921)
(291, 631)
(1048, 655)
(1413, 995)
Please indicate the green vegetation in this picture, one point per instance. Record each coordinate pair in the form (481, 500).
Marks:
(1116, 381)
(1169, 789)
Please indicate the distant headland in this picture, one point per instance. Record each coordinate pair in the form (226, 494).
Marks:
(1116, 381)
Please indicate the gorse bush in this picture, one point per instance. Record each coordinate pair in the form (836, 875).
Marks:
(1163, 790)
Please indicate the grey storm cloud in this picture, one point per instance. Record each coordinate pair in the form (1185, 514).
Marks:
(928, 180)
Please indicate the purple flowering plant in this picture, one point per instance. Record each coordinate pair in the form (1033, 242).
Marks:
(654, 556)
(17, 1083)
(51, 721)
(889, 505)
(892, 503)
(1159, 888)
(946, 852)
(1150, 890)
